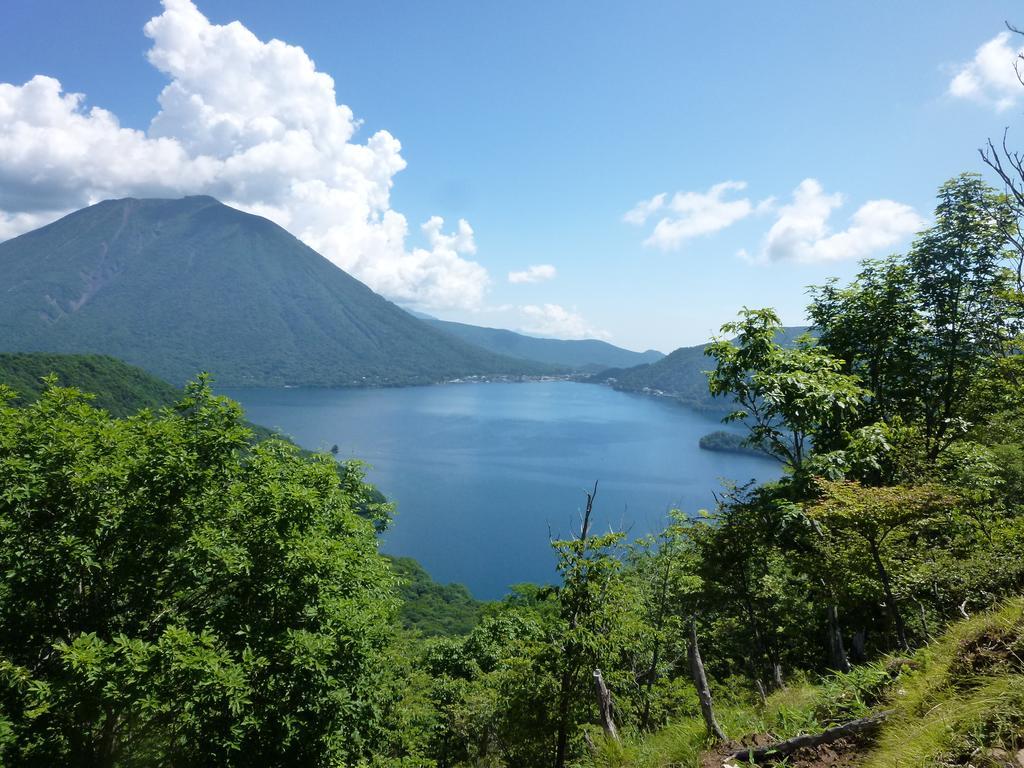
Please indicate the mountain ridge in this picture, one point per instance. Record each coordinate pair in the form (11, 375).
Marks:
(578, 355)
(178, 286)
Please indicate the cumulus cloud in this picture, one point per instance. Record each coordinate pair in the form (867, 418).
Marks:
(534, 274)
(991, 76)
(801, 230)
(690, 214)
(252, 123)
(555, 320)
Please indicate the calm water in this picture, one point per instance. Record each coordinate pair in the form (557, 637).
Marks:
(481, 473)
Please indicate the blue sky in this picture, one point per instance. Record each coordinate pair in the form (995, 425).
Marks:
(539, 124)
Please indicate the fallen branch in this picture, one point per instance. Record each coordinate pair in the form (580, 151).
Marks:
(789, 746)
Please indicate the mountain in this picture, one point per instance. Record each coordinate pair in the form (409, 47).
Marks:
(586, 355)
(181, 286)
(680, 375)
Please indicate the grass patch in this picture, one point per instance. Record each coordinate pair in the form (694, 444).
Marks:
(787, 712)
(967, 697)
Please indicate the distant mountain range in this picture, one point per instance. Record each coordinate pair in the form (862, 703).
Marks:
(581, 356)
(182, 286)
(679, 375)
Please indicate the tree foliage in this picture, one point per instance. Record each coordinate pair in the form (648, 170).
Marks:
(788, 397)
(170, 594)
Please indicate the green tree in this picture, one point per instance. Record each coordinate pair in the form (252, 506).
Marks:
(171, 594)
(595, 623)
(959, 267)
(877, 516)
(874, 326)
(790, 399)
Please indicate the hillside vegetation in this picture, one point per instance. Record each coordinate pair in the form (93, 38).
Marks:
(179, 287)
(118, 388)
(957, 701)
(174, 592)
(432, 608)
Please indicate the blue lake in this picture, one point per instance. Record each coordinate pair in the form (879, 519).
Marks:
(484, 474)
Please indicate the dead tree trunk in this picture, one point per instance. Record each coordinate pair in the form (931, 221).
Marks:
(858, 645)
(890, 598)
(777, 680)
(569, 661)
(590, 743)
(700, 680)
(756, 677)
(604, 706)
(835, 642)
(761, 692)
(924, 620)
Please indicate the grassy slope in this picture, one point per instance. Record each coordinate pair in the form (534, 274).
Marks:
(967, 696)
(182, 286)
(959, 701)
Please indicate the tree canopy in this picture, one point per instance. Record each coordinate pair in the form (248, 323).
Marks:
(170, 593)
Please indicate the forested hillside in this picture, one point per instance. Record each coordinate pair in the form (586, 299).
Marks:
(432, 608)
(119, 388)
(180, 287)
(176, 593)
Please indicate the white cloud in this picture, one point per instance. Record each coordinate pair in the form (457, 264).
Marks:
(643, 210)
(555, 320)
(801, 231)
(13, 224)
(535, 273)
(991, 76)
(252, 123)
(690, 214)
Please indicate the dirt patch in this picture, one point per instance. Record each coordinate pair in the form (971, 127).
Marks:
(841, 753)
(994, 650)
(715, 758)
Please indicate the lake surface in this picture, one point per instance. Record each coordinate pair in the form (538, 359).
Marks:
(482, 473)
